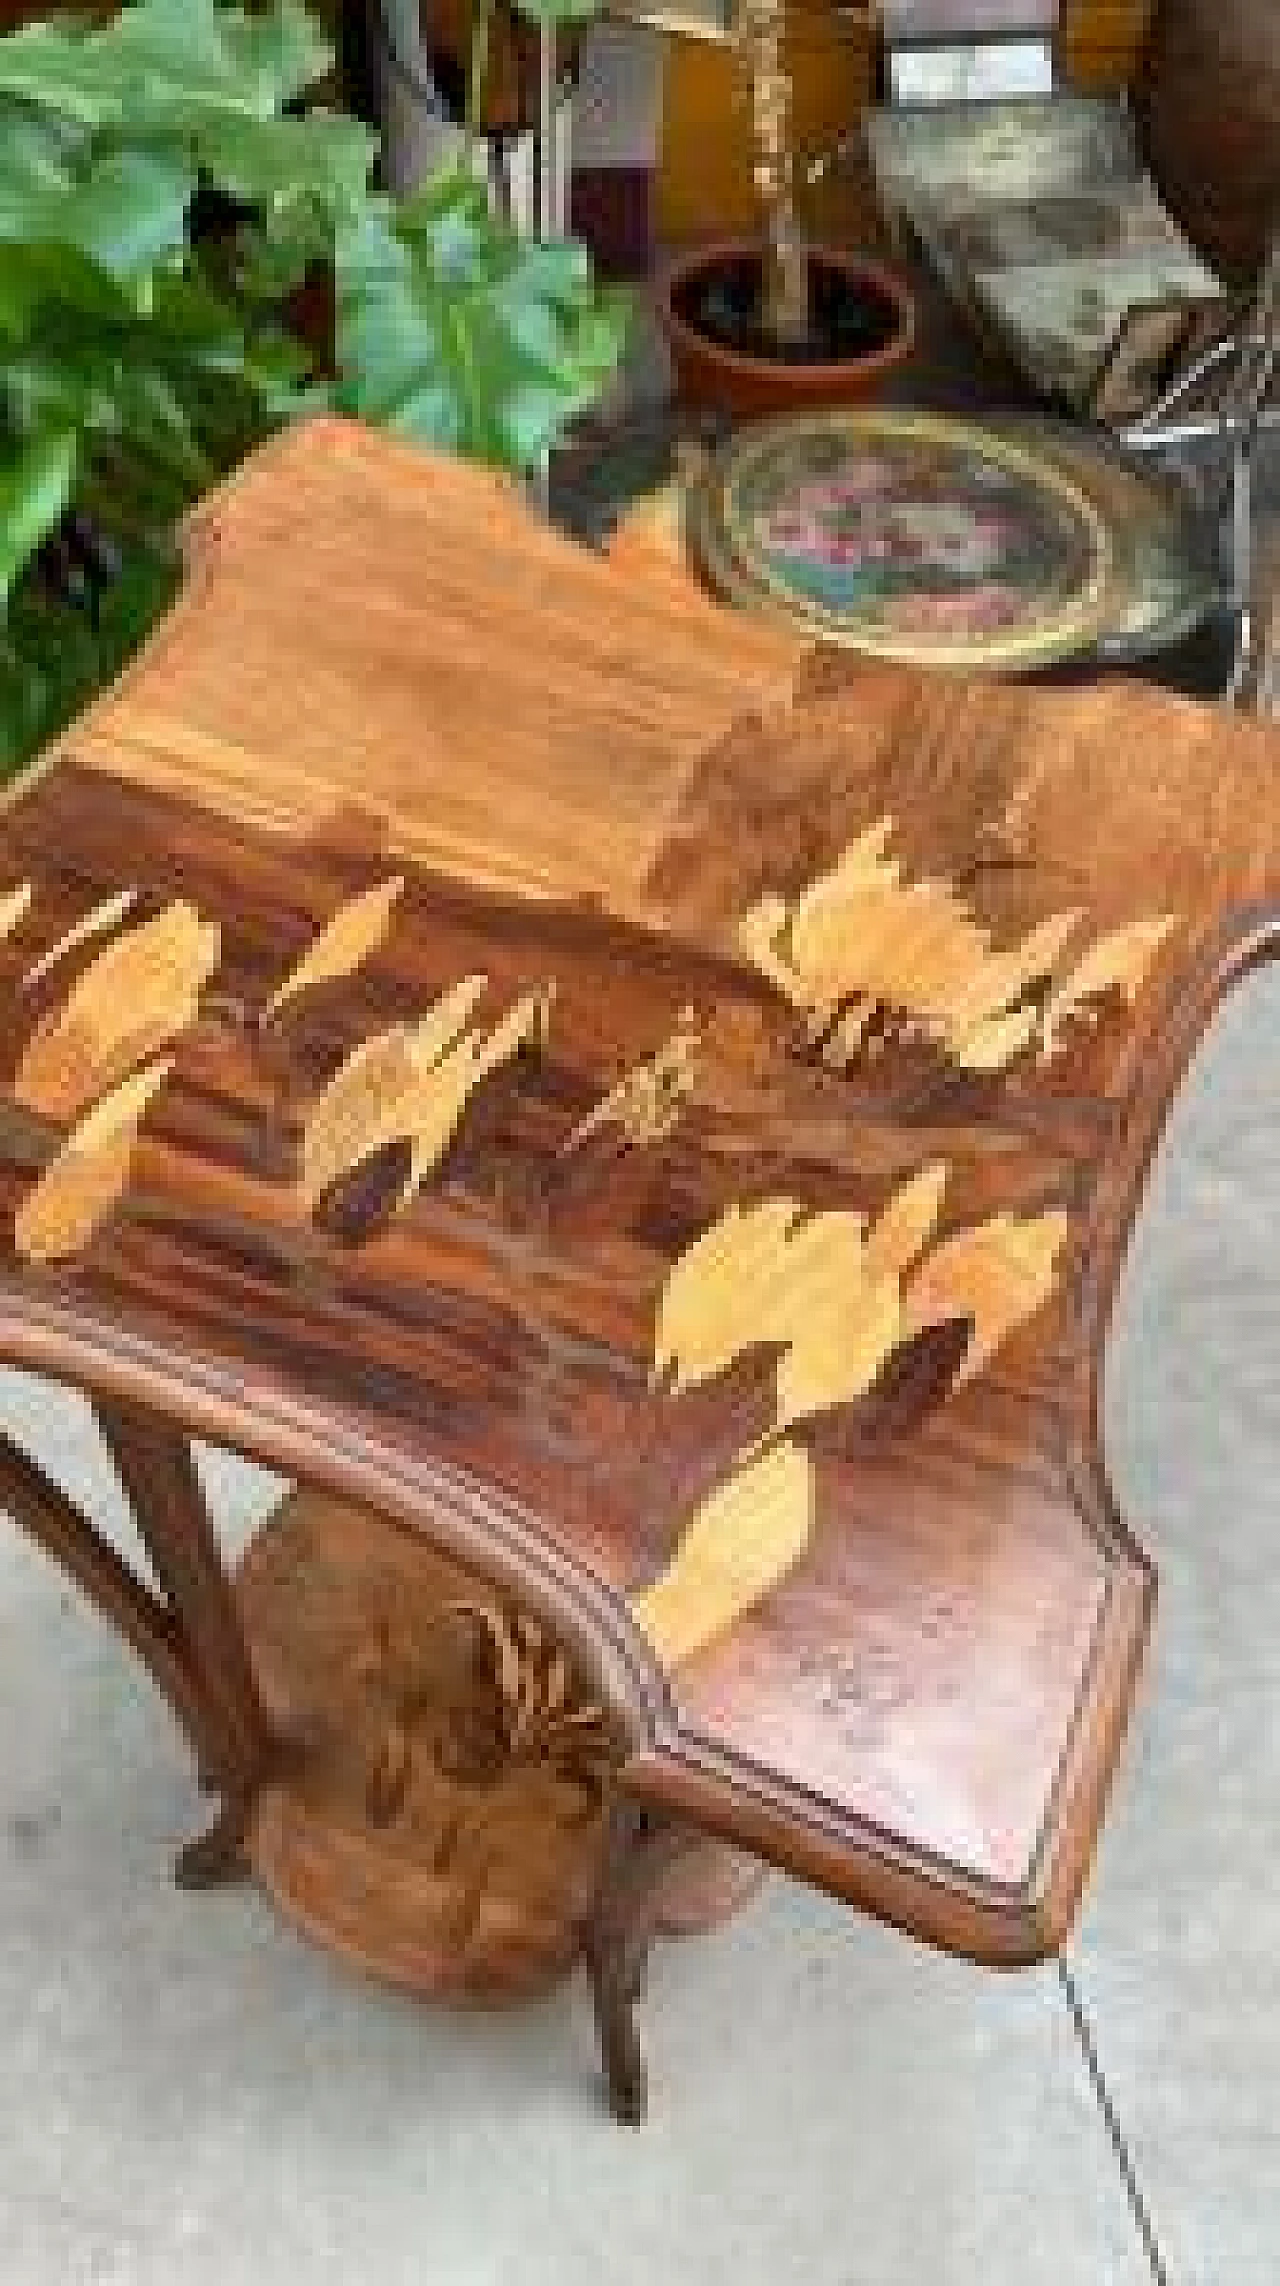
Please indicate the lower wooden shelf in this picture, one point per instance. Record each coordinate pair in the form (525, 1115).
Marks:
(444, 1826)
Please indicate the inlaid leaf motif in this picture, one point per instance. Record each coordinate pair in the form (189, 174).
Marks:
(1003, 977)
(459, 1073)
(363, 1108)
(90, 1174)
(848, 1322)
(721, 1297)
(841, 1306)
(445, 1021)
(376, 1096)
(996, 1274)
(736, 1548)
(846, 1037)
(779, 1276)
(136, 997)
(14, 907)
(994, 1044)
(1118, 962)
(861, 938)
(98, 923)
(412, 1084)
(761, 934)
(908, 945)
(647, 1102)
(906, 1224)
(356, 930)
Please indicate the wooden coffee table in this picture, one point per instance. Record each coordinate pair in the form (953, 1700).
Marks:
(641, 1121)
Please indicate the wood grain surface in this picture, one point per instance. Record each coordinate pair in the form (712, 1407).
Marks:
(718, 926)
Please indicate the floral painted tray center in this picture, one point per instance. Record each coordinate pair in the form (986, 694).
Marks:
(908, 536)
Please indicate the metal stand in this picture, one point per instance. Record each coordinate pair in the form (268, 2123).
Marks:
(1235, 381)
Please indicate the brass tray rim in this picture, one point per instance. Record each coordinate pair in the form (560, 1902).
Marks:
(1075, 628)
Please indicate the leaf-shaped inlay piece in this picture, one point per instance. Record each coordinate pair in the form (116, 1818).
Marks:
(907, 1222)
(412, 1084)
(1003, 977)
(847, 1324)
(734, 1550)
(356, 930)
(996, 1274)
(846, 1038)
(646, 1104)
(1118, 962)
(458, 1074)
(137, 996)
(99, 923)
(376, 1096)
(861, 933)
(861, 938)
(15, 905)
(993, 1045)
(724, 1295)
(90, 1174)
(779, 1276)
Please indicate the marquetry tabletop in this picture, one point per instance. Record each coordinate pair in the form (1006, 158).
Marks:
(655, 1113)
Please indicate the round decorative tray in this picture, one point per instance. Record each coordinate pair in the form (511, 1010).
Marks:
(908, 536)
(1165, 577)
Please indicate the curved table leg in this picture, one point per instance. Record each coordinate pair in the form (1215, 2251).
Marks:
(53, 1522)
(188, 1637)
(641, 1853)
(654, 1877)
(236, 1748)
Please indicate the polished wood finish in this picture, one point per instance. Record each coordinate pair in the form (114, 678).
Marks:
(443, 1826)
(939, 954)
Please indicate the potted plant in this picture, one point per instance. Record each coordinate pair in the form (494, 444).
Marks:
(770, 323)
(186, 263)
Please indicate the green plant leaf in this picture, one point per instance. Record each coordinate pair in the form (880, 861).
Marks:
(53, 659)
(38, 274)
(166, 64)
(35, 487)
(321, 159)
(286, 49)
(452, 327)
(127, 213)
(34, 158)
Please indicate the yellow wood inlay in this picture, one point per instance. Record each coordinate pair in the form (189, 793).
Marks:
(861, 938)
(136, 997)
(647, 1102)
(98, 923)
(355, 931)
(733, 1551)
(89, 1176)
(14, 907)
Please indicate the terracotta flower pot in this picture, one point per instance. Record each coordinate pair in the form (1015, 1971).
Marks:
(706, 297)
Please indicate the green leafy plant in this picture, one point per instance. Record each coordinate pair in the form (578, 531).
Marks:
(163, 200)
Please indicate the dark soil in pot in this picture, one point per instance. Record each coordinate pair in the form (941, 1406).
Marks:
(849, 316)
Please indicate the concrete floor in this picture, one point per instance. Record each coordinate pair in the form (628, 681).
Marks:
(189, 2090)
